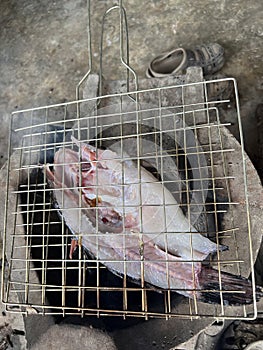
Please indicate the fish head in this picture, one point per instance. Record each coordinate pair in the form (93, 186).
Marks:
(84, 175)
(92, 157)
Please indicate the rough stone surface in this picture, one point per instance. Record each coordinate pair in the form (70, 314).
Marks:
(67, 337)
(44, 48)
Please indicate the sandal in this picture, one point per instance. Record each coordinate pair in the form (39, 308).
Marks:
(210, 57)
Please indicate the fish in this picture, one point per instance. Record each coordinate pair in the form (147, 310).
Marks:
(132, 224)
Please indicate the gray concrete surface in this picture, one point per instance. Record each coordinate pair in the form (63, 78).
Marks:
(67, 337)
(44, 48)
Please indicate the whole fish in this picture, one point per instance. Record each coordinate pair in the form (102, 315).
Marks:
(132, 224)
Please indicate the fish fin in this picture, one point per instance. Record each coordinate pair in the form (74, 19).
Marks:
(220, 248)
(223, 247)
(82, 144)
(236, 290)
(73, 247)
(49, 173)
(75, 141)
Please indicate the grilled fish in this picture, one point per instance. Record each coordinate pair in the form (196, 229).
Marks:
(133, 225)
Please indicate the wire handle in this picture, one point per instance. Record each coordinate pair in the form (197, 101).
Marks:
(84, 78)
(123, 41)
(123, 24)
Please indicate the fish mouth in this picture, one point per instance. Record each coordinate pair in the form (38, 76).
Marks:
(85, 166)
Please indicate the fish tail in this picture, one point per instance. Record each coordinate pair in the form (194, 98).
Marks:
(235, 290)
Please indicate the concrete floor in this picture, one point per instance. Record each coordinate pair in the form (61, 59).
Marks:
(44, 49)
(45, 52)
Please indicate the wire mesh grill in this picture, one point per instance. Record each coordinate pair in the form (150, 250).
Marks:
(185, 147)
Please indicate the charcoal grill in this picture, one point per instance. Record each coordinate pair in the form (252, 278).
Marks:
(184, 143)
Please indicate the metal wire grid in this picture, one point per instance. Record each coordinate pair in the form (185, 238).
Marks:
(40, 241)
